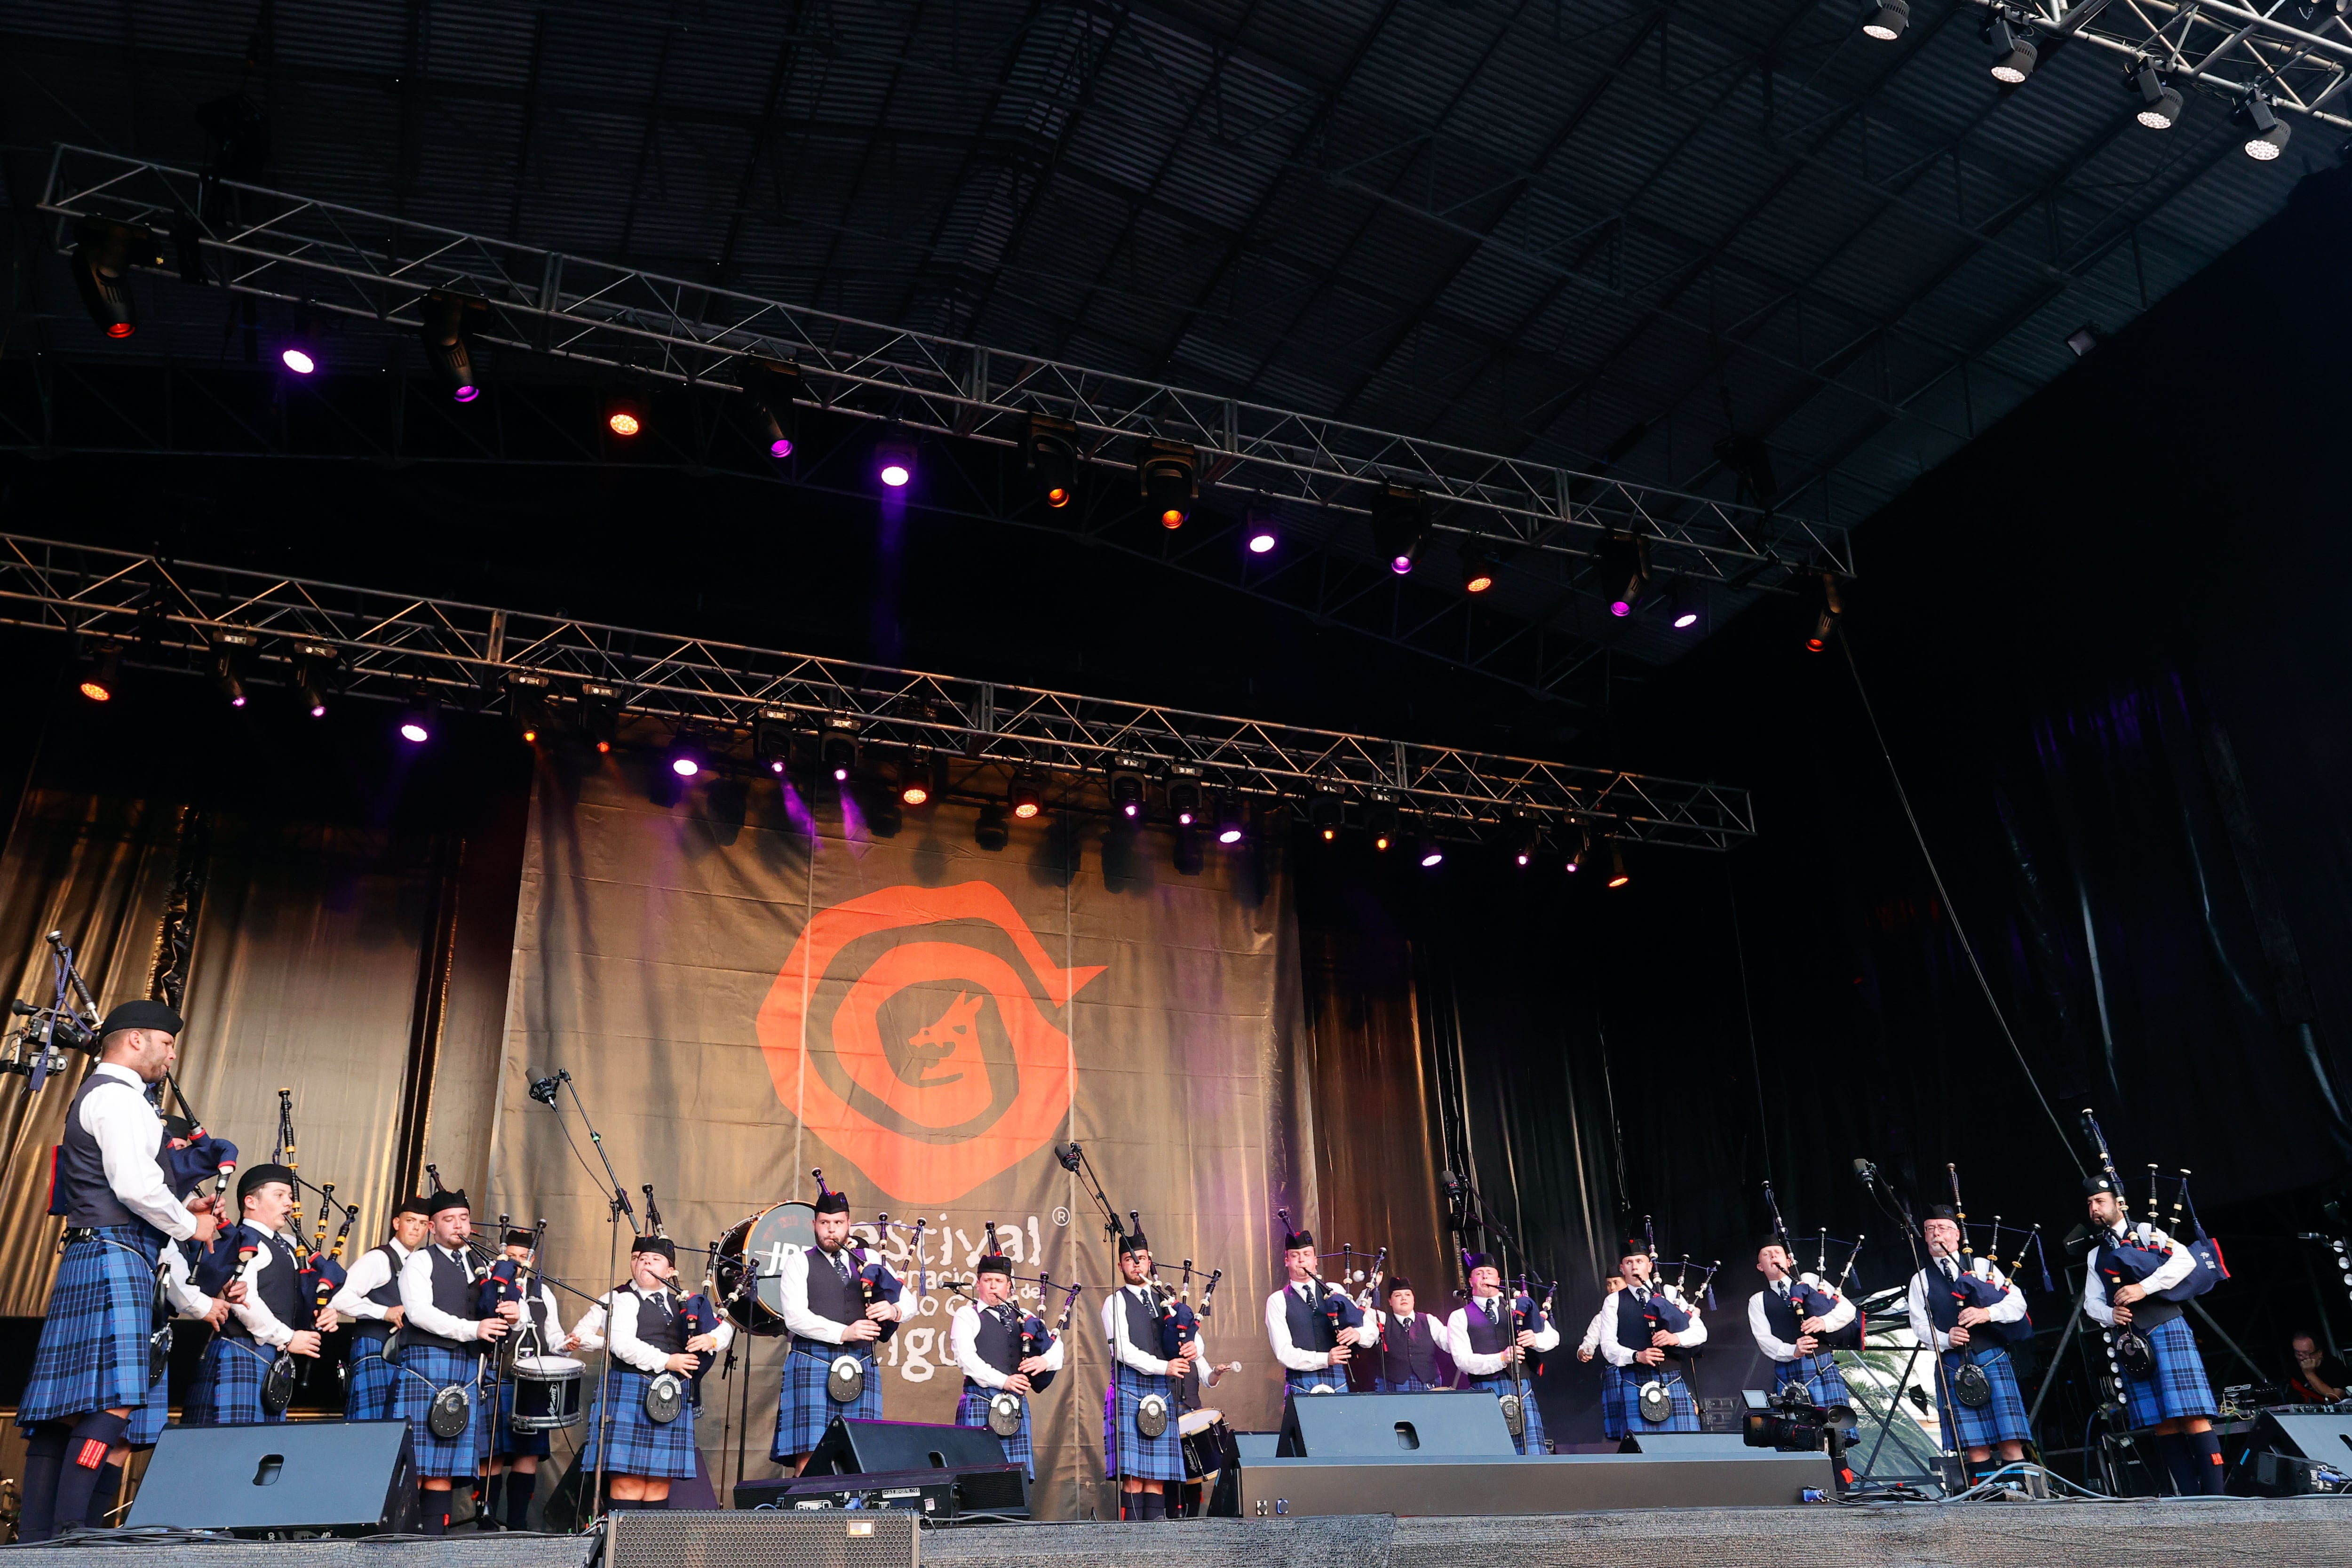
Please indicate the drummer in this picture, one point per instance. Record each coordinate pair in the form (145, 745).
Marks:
(640, 1440)
(985, 1337)
(515, 1455)
(826, 1313)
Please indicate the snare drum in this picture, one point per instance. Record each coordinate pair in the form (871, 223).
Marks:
(751, 1259)
(546, 1392)
(1201, 1433)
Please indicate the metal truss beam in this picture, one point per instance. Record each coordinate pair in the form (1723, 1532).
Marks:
(2295, 55)
(166, 614)
(379, 267)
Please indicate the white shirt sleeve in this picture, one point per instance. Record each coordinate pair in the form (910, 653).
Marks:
(2175, 1268)
(626, 1346)
(1467, 1361)
(1696, 1335)
(1121, 1347)
(253, 1311)
(1277, 1334)
(2095, 1305)
(372, 1270)
(1605, 1326)
(2012, 1306)
(1055, 1353)
(1595, 1330)
(1923, 1327)
(963, 1345)
(179, 1286)
(127, 1136)
(1838, 1316)
(1547, 1336)
(791, 1281)
(1771, 1344)
(590, 1329)
(416, 1300)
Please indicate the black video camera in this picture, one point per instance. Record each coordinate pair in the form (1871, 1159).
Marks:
(1791, 1423)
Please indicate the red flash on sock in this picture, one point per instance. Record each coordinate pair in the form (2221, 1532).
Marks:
(91, 1455)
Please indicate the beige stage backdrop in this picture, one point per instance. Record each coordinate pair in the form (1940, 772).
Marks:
(744, 991)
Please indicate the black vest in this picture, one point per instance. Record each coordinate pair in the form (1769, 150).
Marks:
(1782, 1317)
(998, 1342)
(83, 1193)
(279, 1289)
(1944, 1306)
(1633, 1326)
(367, 1331)
(1492, 1338)
(830, 1295)
(1310, 1330)
(453, 1292)
(541, 1315)
(660, 1326)
(1407, 1352)
(1142, 1323)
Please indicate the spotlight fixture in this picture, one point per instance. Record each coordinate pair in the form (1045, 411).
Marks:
(420, 715)
(2266, 133)
(2013, 52)
(230, 651)
(1380, 819)
(1326, 813)
(1824, 628)
(103, 255)
(1428, 853)
(1618, 875)
(1167, 472)
(894, 461)
(299, 351)
(527, 692)
(1128, 786)
(837, 751)
(2160, 103)
(989, 832)
(1050, 451)
(1400, 522)
(1025, 799)
(1259, 535)
(99, 674)
(1523, 841)
(1184, 793)
(2082, 339)
(685, 756)
(1582, 853)
(1477, 566)
(624, 414)
(1685, 605)
(772, 739)
(923, 779)
(1625, 564)
(600, 713)
(1885, 20)
(314, 675)
(772, 392)
(443, 334)
(1232, 821)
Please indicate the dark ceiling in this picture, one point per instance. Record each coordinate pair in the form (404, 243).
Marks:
(1604, 233)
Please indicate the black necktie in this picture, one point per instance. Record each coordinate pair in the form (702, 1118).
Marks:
(1782, 1287)
(840, 1266)
(1951, 1271)
(1641, 1294)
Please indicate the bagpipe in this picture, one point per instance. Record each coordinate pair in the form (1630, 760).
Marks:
(698, 1311)
(1180, 1325)
(1974, 1289)
(1036, 1339)
(2141, 1253)
(1809, 1293)
(1667, 1314)
(875, 1280)
(1337, 1310)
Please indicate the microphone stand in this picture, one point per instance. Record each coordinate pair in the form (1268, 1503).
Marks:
(1947, 1407)
(544, 1092)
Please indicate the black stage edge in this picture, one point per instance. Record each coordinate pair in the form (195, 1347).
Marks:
(2195, 1533)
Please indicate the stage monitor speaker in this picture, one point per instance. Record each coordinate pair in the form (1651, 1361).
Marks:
(997, 1491)
(2288, 1446)
(764, 1539)
(1438, 1424)
(282, 1482)
(863, 1447)
(1408, 1485)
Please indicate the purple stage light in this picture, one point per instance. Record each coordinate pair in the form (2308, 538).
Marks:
(468, 392)
(1430, 856)
(318, 710)
(296, 360)
(782, 447)
(775, 764)
(1686, 620)
(237, 700)
(1229, 836)
(685, 767)
(413, 731)
(1261, 540)
(841, 776)
(1402, 564)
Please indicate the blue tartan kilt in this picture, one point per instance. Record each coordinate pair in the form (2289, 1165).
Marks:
(93, 1350)
(1824, 1383)
(1534, 1441)
(507, 1442)
(1127, 1452)
(371, 1388)
(1402, 1385)
(1330, 1380)
(1621, 1400)
(640, 1445)
(804, 1408)
(227, 1390)
(2002, 1420)
(425, 1371)
(2178, 1386)
(971, 1410)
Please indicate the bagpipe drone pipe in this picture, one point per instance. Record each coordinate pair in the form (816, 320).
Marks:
(2140, 1254)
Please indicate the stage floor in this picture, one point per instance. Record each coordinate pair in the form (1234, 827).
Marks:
(2189, 1534)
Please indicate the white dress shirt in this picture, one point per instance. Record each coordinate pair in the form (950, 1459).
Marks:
(1779, 1349)
(1603, 1329)
(2012, 1306)
(590, 1329)
(2177, 1268)
(1123, 1348)
(1472, 1364)
(634, 1352)
(180, 1286)
(128, 1134)
(963, 1338)
(255, 1313)
(1278, 1329)
(372, 1270)
(792, 1277)
(417, 1294)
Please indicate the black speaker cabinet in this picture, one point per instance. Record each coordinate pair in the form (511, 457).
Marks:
(1436, 1424)
(867, 1448)
(2286, 1447)
(282, 1482)
(829, 1538)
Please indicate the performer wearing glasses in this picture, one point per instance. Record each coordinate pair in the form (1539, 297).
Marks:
(1957, 1306)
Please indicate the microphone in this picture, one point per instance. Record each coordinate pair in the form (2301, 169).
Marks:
(1866, 1171)
(1069, 1157)
(542, 1090)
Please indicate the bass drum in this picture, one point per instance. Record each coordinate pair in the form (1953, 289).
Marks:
(751, 1255)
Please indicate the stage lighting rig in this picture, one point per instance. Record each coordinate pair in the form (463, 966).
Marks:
(924, 780)
(299, 350)
(443, 334)
(420, 715)
(685, 757)
(624, 414)
(894, 461)
(2266, 135)
(1184, 793)
(2160, 103)
(1428, 853)
(600, 713)
(1129, 788)
(772, 739)
(231, 650)
(99, 675)
(1167, 474)
(1026, 797)
(1477, 566)
(103, 255)
(836, 751)
(773, 393)
(1327, 810)
(314, 675)
(1582, 853)
(1399, 523)
(1684, 605)
(1232, 821)
(527, 692)
(1050, 450)
(1523, 841)
(2014, 53)
(1381, 818)
(991, 832)
(1886, 19)
(1618, 876)
(1623, 560)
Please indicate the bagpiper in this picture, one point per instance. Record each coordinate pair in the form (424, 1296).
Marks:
(1141, 1454)
(1957, 1307)
(1486, 1348)
(370, 1301)
(830, 1369)
(440, 1357)
(2165, 1390)
(985, 1337)
(1634, 1329)
(1793, 1318)
(642, 1434)
(1308, 1323)
(246, 1375)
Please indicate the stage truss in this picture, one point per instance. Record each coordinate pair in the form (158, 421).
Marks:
(2295, 54)
(371, 265)
(172, 615)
